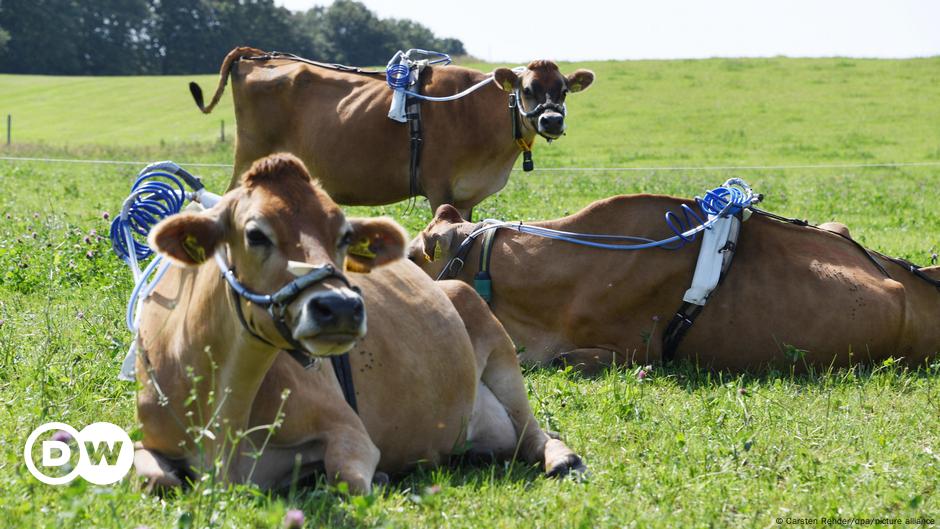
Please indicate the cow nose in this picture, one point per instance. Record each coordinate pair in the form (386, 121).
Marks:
(336, 312)
(552, 122)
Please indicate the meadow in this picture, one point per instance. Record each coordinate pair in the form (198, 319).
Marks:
(680, 447)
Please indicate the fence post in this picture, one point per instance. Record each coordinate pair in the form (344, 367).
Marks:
(9, 128)
(222, 131)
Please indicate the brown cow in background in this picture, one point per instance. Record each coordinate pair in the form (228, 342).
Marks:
(791, 292)
(337, 122)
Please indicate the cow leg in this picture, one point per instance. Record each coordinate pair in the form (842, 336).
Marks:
(502, 402)
(351, 456)
(158, 472)
(588, 361)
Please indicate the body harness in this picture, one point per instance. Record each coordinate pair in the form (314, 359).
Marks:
(726, 213)
(158, 193)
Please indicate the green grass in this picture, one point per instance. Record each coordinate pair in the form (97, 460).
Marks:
(682, 448)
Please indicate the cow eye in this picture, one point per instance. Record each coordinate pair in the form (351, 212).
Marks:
(257, 237)
(345, 240)
(527, 91)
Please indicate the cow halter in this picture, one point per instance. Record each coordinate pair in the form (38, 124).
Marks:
(276, 306)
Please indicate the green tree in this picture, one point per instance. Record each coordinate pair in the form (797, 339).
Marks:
(185, 33)
(39, 37)
(310, 26)
(357, 35)
(257, 23)
(115, 37)
(4, 38)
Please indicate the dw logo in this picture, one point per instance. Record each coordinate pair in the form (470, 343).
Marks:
(105, 453)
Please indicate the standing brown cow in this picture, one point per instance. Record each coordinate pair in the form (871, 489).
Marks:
(336, 121)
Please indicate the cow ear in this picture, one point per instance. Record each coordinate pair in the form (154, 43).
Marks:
(580, 80)
(447, 213)
(506, 79)
(188, 238)
(437, 245)
(375, 242)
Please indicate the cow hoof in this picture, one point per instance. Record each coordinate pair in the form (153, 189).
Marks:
(156, 472)
(380, 479)
(561, 461)
(571, 465)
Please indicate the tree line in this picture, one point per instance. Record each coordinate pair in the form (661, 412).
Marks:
(153, 37)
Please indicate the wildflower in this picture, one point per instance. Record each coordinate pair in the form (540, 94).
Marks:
(294, 519)
(90, 254)
(432, 490)
(36, 215)
(641, 374)
(62, 436)
(105, 215)
(742, 391)
(87, 240)
(655, 318)
(80, 315)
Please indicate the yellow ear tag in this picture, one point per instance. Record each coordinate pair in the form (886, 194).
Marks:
(361, 249)
(575, 87)
(507, 86)
(438, 252)
(193, 249)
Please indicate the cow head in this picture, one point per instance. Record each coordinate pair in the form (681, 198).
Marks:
(277, 225)
(541, 89)
(436, 244)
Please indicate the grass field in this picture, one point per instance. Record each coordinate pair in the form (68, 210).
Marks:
(681, 448)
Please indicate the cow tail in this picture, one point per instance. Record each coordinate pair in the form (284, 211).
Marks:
(224, 71)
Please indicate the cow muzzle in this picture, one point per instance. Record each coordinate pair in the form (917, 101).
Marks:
(551, 125)
(329, 321)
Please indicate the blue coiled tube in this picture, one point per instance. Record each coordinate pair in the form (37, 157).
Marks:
(154, 196)
(397, 76)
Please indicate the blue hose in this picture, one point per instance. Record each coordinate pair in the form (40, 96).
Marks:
(154, 196)
(724, 201)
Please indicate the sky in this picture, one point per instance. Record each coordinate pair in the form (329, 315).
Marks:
(520, 30)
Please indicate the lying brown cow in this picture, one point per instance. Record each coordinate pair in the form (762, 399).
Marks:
(336, 122)
(435, 372)
(791, 291)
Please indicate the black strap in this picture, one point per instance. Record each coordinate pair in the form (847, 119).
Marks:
(343, 371)
(413, 113)
(680, 324)
(297, 58)
(527, 163)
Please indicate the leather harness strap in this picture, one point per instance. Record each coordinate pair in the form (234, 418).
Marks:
(413, 113)
(482, 281)
(527, 163)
